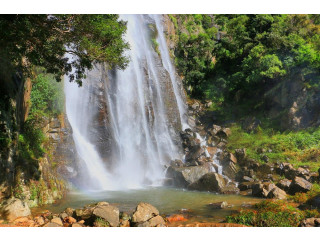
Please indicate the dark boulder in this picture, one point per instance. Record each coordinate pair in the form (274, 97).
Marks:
(300, 185)
(214, 130)
(243, 186)
(229, 157)
(184, 176)
(291, 173)
(194, 153)
(315, 201)
(224, 133)
(262, 189)
(241, 155)
(277, 193)
(258, 190)
(212, 182)
(284, 184)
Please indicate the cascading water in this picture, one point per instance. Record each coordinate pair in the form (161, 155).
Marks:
(80, 113)
(166, 60)
(145, 111)
(138, 108)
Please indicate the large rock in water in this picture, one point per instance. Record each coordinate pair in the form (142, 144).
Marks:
(144, 212)
(108, 213)
(263, 189)
(184, 176)
(14, 208)
(147, 215)
(212, 182)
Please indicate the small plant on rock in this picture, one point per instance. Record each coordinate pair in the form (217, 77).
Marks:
(100, 222)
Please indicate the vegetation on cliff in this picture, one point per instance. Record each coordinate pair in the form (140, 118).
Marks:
(260, 74)
(228, 56)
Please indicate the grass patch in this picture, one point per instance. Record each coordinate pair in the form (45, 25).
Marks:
(270, 213)
(299, 148)
(305, 197)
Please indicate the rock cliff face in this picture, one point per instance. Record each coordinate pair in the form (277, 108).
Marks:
(296, 105)
(292, 102)
(36, 181)
(13, 98)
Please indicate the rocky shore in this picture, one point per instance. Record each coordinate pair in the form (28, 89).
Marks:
(209, 166)
(104, 214)
(101, 214)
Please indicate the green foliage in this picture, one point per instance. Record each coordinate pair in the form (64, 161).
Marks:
(18, 192)
(269, 214)
(44, 40)
(239, 57)
(47, 97)
(194, 51)
(174, 20)
(33, 191)
(298, 148)
(257, 51)
(100, 222)
(47, 100)
(155, 45)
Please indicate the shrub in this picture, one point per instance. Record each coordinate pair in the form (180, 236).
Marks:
(99, 222)
(268, 213)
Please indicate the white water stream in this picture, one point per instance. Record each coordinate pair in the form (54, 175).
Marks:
(138, 114)
(79, 114)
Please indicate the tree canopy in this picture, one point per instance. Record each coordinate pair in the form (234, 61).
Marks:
(46, 41)
(221, 55)
(255, 50)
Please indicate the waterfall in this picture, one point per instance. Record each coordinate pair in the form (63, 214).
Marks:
(165, 56)
(80, 112)
(144, 114)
